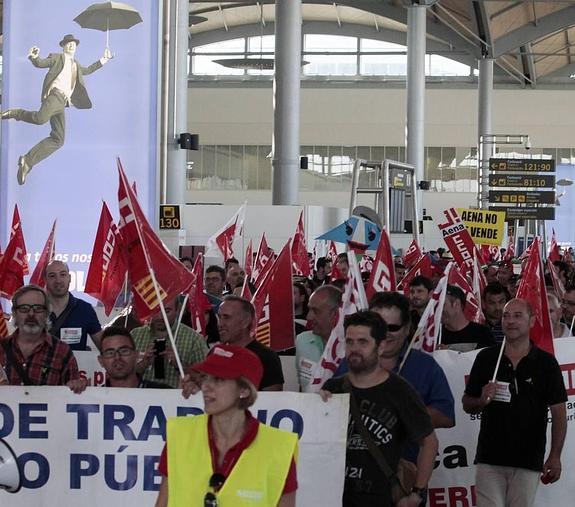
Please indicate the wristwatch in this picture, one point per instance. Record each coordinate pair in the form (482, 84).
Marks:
(421, 492)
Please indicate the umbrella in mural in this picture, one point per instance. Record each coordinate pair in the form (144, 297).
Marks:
(108, 16)
(358, 233)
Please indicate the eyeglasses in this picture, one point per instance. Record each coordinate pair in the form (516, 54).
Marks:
(216, 482)
(122, 352)
(34, 308)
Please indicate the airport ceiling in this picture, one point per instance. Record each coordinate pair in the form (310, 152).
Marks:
(532, 41)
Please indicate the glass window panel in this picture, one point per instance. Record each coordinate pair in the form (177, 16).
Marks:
(227, 46)
(326, 65)
(194, 171)
(251, 166)
(383, 65)
(448, 157)
(205, 65)
(237, 165)
(377, 153)
(208, 161)
(401, 154)
(392, 152)
(436, 65)
(320, 160)
(550, 152)
(264, 168)
(564, 155)
(367, 45)
(222, 162)
(329, 43)
(259, 44)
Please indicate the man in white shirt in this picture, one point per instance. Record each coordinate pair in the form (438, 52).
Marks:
(63, 86)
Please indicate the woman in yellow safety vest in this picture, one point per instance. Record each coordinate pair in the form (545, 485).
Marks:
(226, 458)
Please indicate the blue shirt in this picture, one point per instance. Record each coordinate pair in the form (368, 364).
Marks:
(79, 321)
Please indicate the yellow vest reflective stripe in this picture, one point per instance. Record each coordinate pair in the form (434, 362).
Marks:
(258, 477)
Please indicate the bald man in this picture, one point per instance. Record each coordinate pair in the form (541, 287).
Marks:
(72, 319)
(514, 410)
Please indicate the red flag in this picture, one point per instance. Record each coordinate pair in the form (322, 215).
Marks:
(490, 253)
(472, 310)
(198, 302)
(248, 261)
(47, 255)
(299, 250)
(554, 254)
(557, 283)
(427, 332)
(12, 266)
(412, 254)
(510, 252)
(382, 276)
(265, 253)
(532, 289)
(422, 267)
(221, 243)
(3, 325)
(17, 231)
(273, 302)
(108, 265)
(332, 253)
(459, 241)
(147, 256)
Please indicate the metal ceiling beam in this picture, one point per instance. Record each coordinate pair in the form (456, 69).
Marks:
(483, 27)
(528, 63)
(548, 24)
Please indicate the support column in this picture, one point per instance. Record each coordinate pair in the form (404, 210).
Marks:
(415, 128)
(175, 120)
(285, 143)
(484, 107)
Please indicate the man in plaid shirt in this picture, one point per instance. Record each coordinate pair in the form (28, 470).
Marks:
(31, 356)
(157, 359)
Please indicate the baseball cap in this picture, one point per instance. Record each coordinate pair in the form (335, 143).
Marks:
(232, 362)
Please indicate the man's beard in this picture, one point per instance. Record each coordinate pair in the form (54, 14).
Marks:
(364, 364)
(31, 328)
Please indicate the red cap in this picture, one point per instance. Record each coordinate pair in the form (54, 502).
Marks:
(232, 362)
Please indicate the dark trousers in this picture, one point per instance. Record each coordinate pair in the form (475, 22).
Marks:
(52, 108)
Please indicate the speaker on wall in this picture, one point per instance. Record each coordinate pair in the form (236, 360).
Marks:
(189, 141)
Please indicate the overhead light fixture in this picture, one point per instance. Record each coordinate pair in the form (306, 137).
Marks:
(194, 20)
(565, 182)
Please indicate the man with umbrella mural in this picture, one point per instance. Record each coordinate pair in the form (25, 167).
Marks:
(63, 86)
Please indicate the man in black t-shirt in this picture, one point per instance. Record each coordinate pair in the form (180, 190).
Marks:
(391, 412)
(458, 333)
(512, 436)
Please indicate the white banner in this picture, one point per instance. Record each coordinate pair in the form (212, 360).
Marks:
(102, 447)
(453, 480)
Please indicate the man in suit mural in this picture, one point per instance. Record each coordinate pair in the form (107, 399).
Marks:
(63, 86)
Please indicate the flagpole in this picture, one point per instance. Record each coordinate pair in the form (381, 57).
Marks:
(152, 274)
(498, 360)
(409, 347)
(181, 314)
(572, 322)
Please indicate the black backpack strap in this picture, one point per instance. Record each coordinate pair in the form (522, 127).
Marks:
(12, 362)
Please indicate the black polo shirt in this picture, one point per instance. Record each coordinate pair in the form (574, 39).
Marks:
(514, 434)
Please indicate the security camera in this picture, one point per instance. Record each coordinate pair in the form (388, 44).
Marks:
(527, 144)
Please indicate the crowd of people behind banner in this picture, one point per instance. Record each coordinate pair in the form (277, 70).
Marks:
(398, 394)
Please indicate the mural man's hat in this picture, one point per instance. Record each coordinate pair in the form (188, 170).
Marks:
(68, 38)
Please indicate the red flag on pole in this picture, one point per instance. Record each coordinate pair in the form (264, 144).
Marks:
(412, 254)
(198, 302)
(490, 253)
(422, 267)
(46, 256)
(108, 265)
(510, 252)
(459, 241)
(557, 283)
(222, 242)
(382, 276)
(155, 274)
(17, 231)
(12, 265)
(265, 253)
(248, 261)
(299, 250)
(554, 254)
(332, 253)
(273, 302)
(472, 310)
(532, 289)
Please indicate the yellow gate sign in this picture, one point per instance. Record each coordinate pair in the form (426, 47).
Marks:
(486, 227)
